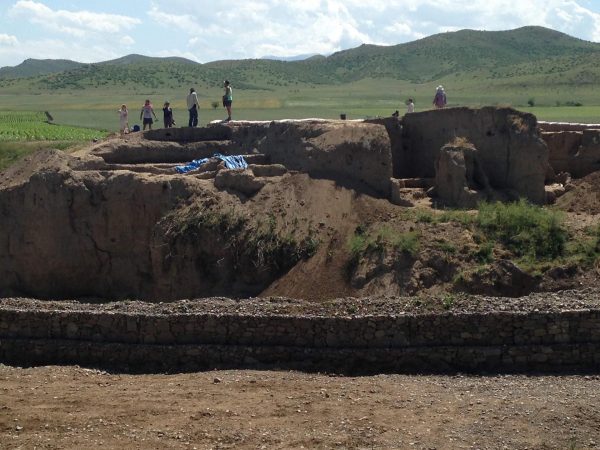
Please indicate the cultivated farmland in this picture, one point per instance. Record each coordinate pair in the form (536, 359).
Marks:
(32, 126)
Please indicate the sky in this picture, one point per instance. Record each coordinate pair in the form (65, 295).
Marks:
(204, 31)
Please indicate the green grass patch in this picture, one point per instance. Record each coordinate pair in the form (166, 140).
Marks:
(364, 241)
(585, 250)
(430, 216)
(445, 246)
(527, 230)
(485, 252)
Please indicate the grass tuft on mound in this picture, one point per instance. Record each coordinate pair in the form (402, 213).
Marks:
(527, 230)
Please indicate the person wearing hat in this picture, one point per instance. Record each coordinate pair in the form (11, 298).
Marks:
(168, 115)
(439, 101)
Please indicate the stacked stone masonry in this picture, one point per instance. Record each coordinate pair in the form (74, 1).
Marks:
(495, 341)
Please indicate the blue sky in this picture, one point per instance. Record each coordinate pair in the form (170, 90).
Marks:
(205, 31)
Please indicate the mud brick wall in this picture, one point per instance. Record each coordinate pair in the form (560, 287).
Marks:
(499, 341)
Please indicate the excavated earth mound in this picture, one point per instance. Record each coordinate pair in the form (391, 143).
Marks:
(317, 214)
(584, 196)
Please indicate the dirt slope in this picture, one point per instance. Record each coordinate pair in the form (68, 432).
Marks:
(584, 197)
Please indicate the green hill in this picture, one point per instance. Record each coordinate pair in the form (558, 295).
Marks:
(35, 67)
(535, 52)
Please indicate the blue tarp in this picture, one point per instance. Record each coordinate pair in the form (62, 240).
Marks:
(191, 166)
(231, 162)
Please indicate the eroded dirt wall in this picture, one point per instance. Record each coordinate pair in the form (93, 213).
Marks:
(512, 154)
(83, 233)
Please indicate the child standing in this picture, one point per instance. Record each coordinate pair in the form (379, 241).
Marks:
(123, 120)
(168, 119)
(147, 113)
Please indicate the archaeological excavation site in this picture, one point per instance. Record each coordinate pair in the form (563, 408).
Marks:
(451, 240)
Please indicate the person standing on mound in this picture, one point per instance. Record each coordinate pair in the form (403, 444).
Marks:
(123, 120)
(168, 119)
(147, 113)
(227, 99)
(439, 101)
(193, 107)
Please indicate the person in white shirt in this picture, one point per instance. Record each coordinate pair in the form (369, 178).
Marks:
(123, 120)
(193, 106)
(410, 108)
(146, 114)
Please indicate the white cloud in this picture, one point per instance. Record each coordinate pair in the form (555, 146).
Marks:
(167, 53)
(127, 41)
(206, 30)
(56, 49)
(183, 22)
(8, 40)
(399, 28)
(75, 23)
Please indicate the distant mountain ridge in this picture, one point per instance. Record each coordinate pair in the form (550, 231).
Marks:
(545, 56)
(34, 67)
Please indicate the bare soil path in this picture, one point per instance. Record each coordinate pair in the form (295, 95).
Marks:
(74, 408)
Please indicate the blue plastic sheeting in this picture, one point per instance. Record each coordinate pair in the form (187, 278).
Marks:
(191, 166)
(231, 162)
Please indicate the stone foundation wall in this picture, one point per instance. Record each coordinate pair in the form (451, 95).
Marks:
(497, 341)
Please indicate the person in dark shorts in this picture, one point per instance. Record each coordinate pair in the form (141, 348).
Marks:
(168, 119)
(227, 99)
(147, 113)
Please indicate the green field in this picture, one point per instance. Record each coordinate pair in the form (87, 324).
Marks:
(33, 126)
(23, 132)
(97, 108)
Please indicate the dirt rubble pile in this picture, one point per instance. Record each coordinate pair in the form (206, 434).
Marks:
(117, 220)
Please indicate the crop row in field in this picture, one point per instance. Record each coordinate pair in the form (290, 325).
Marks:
(32, 126)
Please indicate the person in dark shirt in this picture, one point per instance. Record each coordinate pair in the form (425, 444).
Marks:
(168, 115)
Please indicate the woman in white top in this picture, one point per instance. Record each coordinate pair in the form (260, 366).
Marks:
(123, 120)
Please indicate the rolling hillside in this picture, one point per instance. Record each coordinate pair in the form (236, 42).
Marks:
(522, 67)
(532, 52)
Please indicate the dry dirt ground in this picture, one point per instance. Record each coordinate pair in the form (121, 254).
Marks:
(72, 407)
